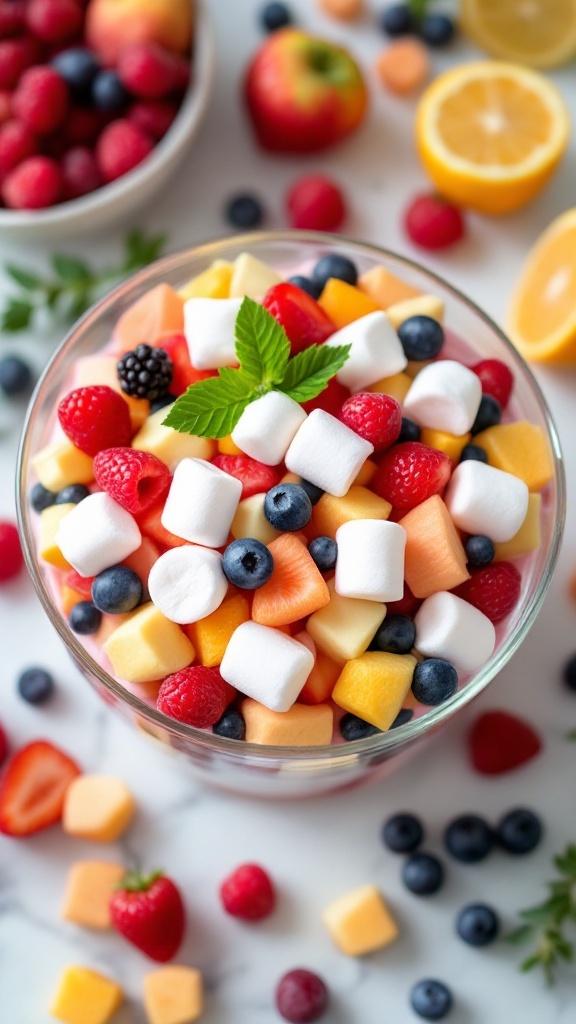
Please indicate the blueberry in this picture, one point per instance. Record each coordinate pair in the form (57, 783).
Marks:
(35, 685)
(244, 211)
(569, 673)
(473, 451)
(231, 725)
(431, 999)
(287, 507)
(307, 285)
(41, 498)
(469, 838)
(335, 265)
(247, 563)
(117, 590)
(519, 831)
(423, 874)
(434, 681)
(422, 338)
(108, 93)
(437, 29)
(402, 833)
(323, 551)
(396, 635)
(72, 495)
(409, 431)
(397, 20)
(313, 492)
(488, 415)
(354, 728)
(404, 716)
(15, 376)
(161, 402)
(85, 618)
(78, 67)
(479, 550)
(477, 924)
(274, 16)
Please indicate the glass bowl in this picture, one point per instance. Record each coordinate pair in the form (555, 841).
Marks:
(291, 771)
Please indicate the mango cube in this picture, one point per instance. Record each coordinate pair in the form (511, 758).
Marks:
(97, 807)
(173, 995)
(211, 635)
(148, 646)
(344, 627)
(343, 303)
(250, 521)
(365, 473)
(226, 446)
(212, 283)
(397, 386)
(85, 997)
(60, 464)
(359, 503)
(69, 598)
(360, 922)
(374, 686)
(251, 277)
(423, 305)
(88, 892)
(529, 536)
(385, 288)
(519, 448)
(103, 370)
(300, 726)
(48, 549)
(168, 445)
(451, 445)
(435, 558)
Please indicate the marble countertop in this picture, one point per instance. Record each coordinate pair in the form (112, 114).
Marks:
(320, 849)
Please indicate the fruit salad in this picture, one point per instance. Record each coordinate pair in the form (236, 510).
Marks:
(290, 508)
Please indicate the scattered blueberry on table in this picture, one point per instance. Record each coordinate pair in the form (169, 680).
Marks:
(35, 685)
(423, 873)
(402, 833)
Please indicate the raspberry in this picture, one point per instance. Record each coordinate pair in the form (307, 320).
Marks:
(304, 321)
(301, 997)
(331, 399)
(12, 17)
(5, 106)
(41, 100)
(150, 72)
(496, 380)
(16, 144)
(11, 560)
(145, 372)
(254, 476)
(15, 56)
(120, 148)
(407, 605)
(95, 418)
(153, 117)
(498, 742)
(248, 893)
(433, 223)
(133, 478)
(197, 696)
(54, 21)
(494, 589)
(376, 418)
(80, 172)
(83, 126)
(315, 203)
(33, 185)
(410, 473)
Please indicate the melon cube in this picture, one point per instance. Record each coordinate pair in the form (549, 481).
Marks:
(385, 288)
(435, 558)
(345, 627)
(69, 598)
(85, 997)
(104, 370)
(251, 277)
(168, 445)
(250, 521)
(343, 303)
(529, 536)
(374, 686)
(519, 448)
(211, 635)
(148, 646)
(142, 560)
(50, 520)
(97, 807)
(212, 283)
(89, 889)
(397, 386)
(330, 513)
(157, 314)
(360, 922)
(300, 726)
(414, 366)
(61, 464)
(226, 446)
(173, 995)
(366, 473)
(423, 305)
(318, 687)
(450, 444)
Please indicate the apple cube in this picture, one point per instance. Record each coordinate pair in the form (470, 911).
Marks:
(300, 726)
(50, 520)
(97, 807)
(251, 277)
(360, 922)
(344, 627)
(88, 892)
(168, 445)
(85, 997)
(60, 464)
(148, 646)
(374, 686)
(330, 513)
(173, 995)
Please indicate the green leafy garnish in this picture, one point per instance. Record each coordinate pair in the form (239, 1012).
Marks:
(212, 407)
(546, 924)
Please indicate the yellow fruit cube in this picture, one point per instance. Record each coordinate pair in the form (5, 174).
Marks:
(343, 303)
(48, 549)
(97, 807)
(365, 474)
(88, 892)
(85, 997)
(302, 725)
(359, 503)
(250, 521)
(148, 646)
(529, 536)
(519, 448)
(211, 635)
(344, 627)
(226, 446)
(60, 464)
(104, 370)
(385, 288)
(173, 995)
(69, 598)
(374, 686)
(423, 305)
(413, 368)
(251, 277)
(212, 283)
(396, 386)
(360, 922)
(451, 445)
(168, 445)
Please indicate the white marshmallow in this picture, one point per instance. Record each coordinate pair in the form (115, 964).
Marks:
(327, 453)
(482, 499)
(267, 427)
(450, 628)
(187, 583)
(96, 534)
(370, 562)
(266, 665)
(376, 351)
(209, 328)
(201, 503)
(444, 396)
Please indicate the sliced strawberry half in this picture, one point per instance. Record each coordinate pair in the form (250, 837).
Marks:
(183, 373)
(33, 788)
(330, 400)
(499, 742)
(304, 321)
(254, 476)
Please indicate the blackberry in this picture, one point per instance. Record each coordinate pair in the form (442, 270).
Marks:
(146, 372)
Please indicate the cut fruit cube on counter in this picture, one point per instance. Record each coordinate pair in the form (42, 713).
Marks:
(173, 995)
(374, 686)
(300, 726)
(88, 890)
(360, 922)
(85, 997)
(148, 646)
(98, 807)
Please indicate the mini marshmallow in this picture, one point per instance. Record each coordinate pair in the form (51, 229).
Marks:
(376, 351)
(187, 583)
(370, 561)
(266, 665)
(267, 426)
(201, 503)
(444, 396)
(482, 499)
(96, 534)
(327, 453)
(209, 326)
(450, 628)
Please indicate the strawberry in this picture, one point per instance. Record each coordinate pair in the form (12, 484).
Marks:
(330, 400)
(498, 742)
(376, 418)
(81, 584)
(95, 418)
(304, 321)
(133, 478)
(254, 476)
(196, 695)
(149, 912)
(183, 373)
(248, 893)
(410, 473)
(493, 589)
(496, 380)
(33, 788)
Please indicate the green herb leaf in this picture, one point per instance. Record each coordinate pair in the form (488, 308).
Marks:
(212, 407)
(309, 371)
(547, 921)
(30, 282)
(16, 315)
(141, 250)
(71, 270)
(262, 345)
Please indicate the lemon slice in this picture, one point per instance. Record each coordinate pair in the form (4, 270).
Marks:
(542, 314)
(541, 33)
(490, 134)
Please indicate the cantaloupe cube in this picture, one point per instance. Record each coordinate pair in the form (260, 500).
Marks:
(88, 891)
(519, 448)
(374, 686)
(173, 995)
(142, 560)
(50, 520)
(343, 303)
(60, 464)
(414, 366)
(157, 314)
(212, 283)
(226, 446)
(97, 807)
(168, 445)
(359, 503)
(366, 473)
(148, 646)
(211, 635)
(451, 445)
(345, 627)
(251, 277)
(150, 524)
(104, 370)
(360, 922)
(435, 558)
(85, 997)
(68, 599)
(396, 386)
(423, 305)
(300, 726)
(250, 521)
(385, 288)
(529, 536)
(321, 681)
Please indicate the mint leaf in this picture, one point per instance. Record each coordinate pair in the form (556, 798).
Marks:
(30, 282)
(71, 270)
(308, 373)
(262, 345)
(16, 315)
(140, 250)
(212, 407)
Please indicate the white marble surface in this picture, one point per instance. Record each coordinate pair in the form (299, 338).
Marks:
(318, 850)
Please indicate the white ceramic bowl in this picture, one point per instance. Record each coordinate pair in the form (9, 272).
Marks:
(117, 200)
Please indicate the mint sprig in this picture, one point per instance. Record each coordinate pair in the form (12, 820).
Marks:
(212, 407)
(549, 926)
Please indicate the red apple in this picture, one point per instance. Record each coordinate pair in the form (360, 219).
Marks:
(303, 93)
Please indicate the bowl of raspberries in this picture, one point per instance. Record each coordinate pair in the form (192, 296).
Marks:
(99, 101)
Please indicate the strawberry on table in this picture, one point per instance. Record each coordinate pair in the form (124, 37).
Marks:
(410, 473)
(498, 742)
(149, 912)
(135, 479)
(304, 321)
(494, 589)
(33, 788)
(254, 476)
